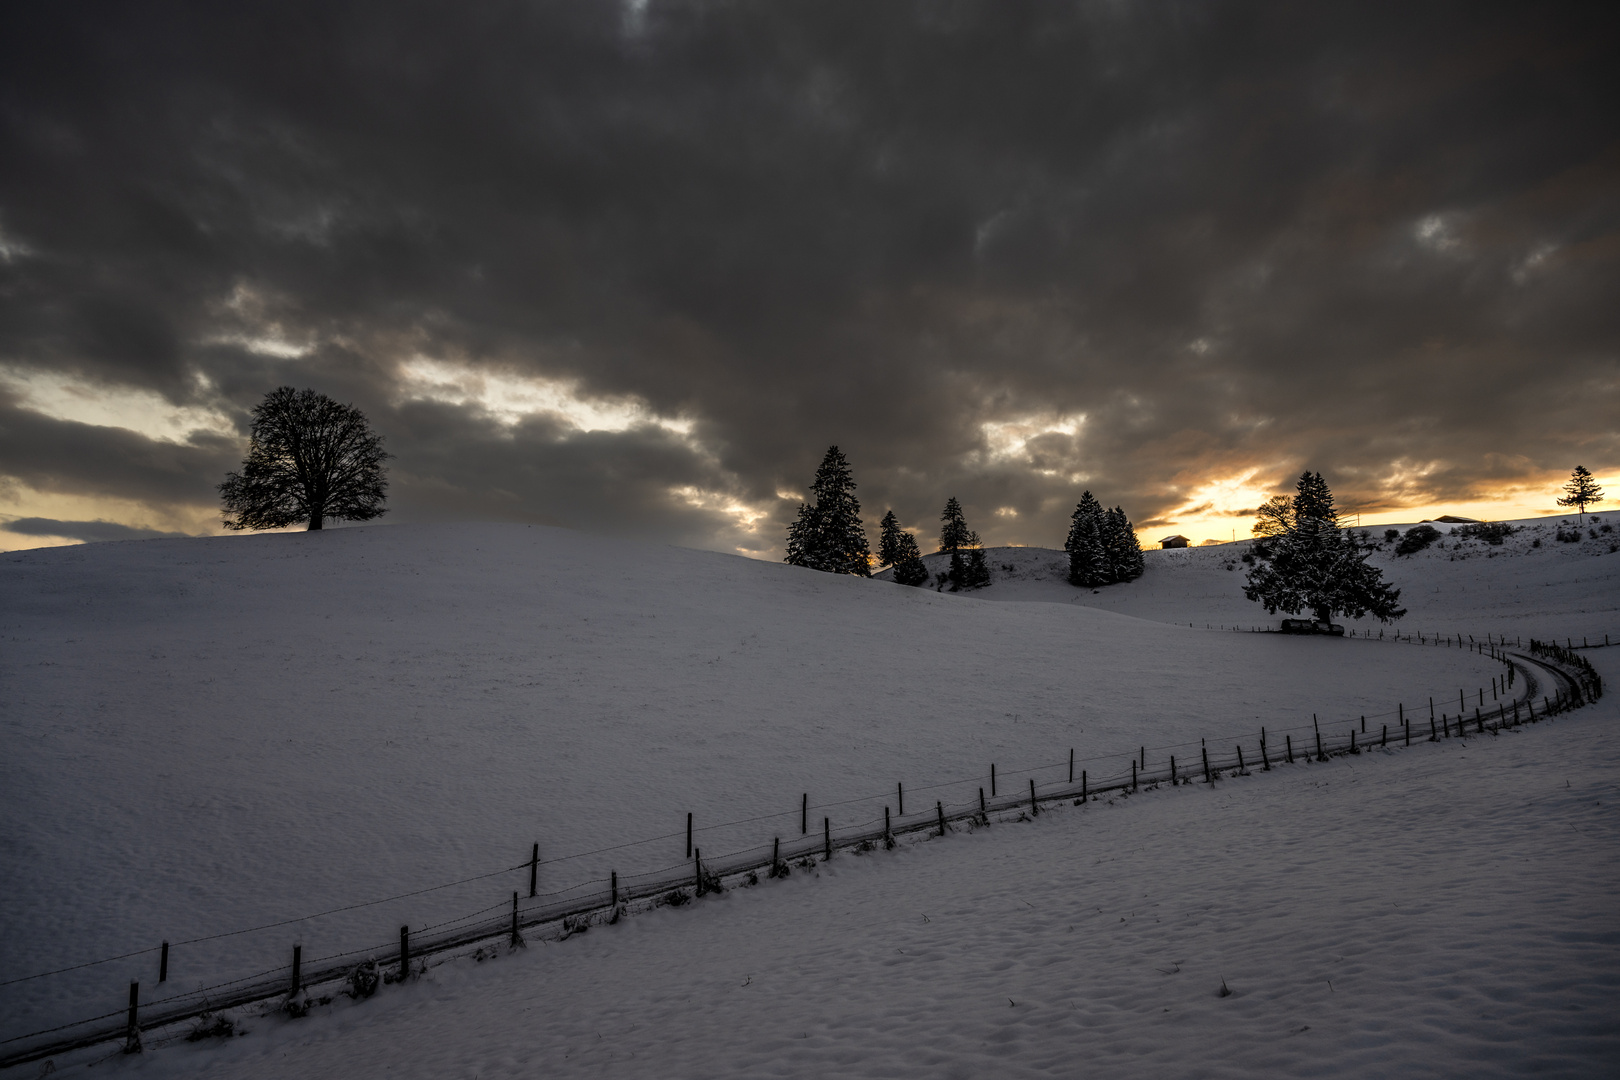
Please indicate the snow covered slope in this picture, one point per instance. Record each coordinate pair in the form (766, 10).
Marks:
(1523, 587)
(1444, 911)
(204, 736)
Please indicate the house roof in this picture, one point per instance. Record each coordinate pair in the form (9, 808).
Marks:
(1167, 539)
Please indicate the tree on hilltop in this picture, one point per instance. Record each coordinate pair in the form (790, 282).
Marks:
(1275, 516)
(1088, 557)
(899, 550)
(1316, 566)
(828, 534)
(309, 460)
(1102, 546)
(956, 538)
(1582, 490)
(1125, 562)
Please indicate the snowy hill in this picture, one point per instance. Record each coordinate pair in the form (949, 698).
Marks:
(205, 736)
(1530, 584)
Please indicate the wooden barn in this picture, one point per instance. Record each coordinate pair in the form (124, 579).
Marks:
(1174, 542)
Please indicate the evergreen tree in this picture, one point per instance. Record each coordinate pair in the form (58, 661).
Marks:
(910, 569)
(1088, 557)
(1125, 560)
(899, 550)
(828, 534)
(955, 537)
(977, 574)
(1582, 490)
(1317, 567)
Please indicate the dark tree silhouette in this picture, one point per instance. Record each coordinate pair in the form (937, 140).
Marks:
(1314, 565)
(1582, 490)
(309, 460)
(828, 534)
(899, 550)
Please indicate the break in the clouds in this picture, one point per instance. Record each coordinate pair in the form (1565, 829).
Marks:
(634, 268)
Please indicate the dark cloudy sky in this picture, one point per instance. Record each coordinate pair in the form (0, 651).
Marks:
(633, 267)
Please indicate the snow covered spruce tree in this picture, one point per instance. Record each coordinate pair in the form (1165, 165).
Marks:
(1581, 491)
(957, 539)
(1088, 558)
(828, 534)
(1316, 566)
(1125, 560)
(899, 550)
(309, 460)
(1102, 546)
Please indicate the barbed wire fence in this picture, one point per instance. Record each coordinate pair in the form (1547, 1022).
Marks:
(1558, 675)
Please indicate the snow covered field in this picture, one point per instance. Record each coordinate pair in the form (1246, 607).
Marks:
(1459, 585)
(204, 736)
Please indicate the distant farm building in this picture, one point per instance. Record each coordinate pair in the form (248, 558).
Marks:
(1174, 541)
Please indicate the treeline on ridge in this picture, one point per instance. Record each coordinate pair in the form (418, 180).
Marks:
(828, 535)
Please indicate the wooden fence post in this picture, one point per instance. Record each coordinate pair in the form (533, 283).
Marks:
(1289, 742)
(1034, 809)
(132, 1034)
(689, 835)
(517, 938)
(1082, 785)
(1204, 751)
(613, 894)
(826, 837)
(940, 806)
(1172, 770)
(1241, 767)
(1133, 774)
(804, 815)
(1071, 764)
(900, 798)
(992, 779)
(404, 952)
(297, 971)
(982, 812)
(534, 869)
(163, 964)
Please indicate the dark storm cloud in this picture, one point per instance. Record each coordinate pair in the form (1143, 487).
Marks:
(1378, 240)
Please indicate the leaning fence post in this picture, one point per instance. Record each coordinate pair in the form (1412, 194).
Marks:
(1265, 759)
(1204, 751)
(517, 938)
(297, 971)
(1034, 810)
(404, 952)
(132, 1036)
(982, 812)
(1241, 767)
(1289, 742)
(1432, 736)
(534, 868)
